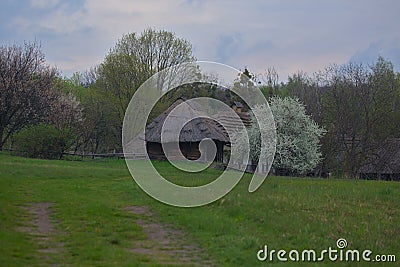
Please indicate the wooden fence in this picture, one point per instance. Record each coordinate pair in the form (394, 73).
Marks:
(118, 155)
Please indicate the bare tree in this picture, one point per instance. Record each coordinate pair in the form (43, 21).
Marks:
(25, 88)
(270, 77)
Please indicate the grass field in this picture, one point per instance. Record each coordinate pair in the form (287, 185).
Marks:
(88, 210)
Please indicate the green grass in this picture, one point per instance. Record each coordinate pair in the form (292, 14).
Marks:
(285, 213)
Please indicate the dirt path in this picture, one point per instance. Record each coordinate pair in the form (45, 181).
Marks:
(42, 230)
(165, 243)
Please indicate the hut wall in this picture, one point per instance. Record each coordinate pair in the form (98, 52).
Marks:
(220, 152)
(189, 149)
(155, 151)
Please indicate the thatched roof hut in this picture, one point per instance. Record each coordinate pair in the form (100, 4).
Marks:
(193, 131)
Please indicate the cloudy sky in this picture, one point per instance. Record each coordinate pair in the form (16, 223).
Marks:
(290, 35)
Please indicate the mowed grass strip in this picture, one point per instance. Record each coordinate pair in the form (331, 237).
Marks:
(89, 198)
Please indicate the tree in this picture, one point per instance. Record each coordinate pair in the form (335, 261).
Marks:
(67, 111)
(297, 147)
(99, 130)
(270, 77)
(133, 60)
(26, 84)
(305, 88)
(360, 110)
(298, 136)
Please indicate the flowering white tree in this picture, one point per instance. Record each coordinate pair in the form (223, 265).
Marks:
(298, 135)
(252, 140)
(297, 144)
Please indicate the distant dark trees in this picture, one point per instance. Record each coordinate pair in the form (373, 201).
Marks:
(358, 105)
(361, 112)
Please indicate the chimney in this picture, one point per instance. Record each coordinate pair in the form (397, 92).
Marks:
(237, 106)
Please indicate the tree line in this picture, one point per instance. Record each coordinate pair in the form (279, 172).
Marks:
(358, 105)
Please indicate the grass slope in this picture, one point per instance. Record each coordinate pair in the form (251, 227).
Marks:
(285, 213)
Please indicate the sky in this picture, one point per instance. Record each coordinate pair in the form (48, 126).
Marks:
(289, 35)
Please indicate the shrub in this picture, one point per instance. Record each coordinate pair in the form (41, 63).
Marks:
(40, 141)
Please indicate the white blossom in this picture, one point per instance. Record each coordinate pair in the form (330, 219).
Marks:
(298, 135)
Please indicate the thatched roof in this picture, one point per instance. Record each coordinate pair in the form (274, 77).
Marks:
(193, 131)
(232, 123)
